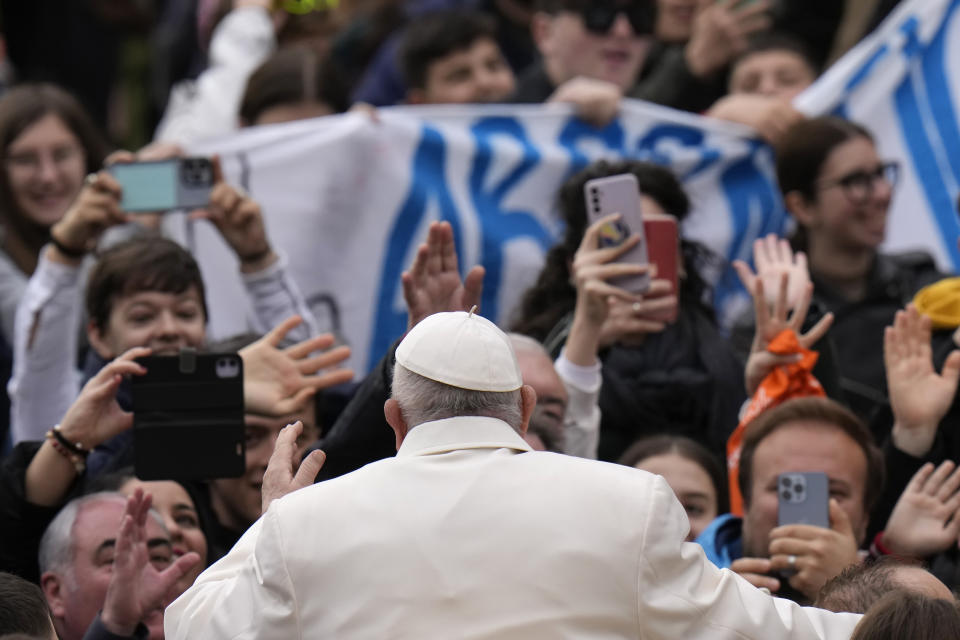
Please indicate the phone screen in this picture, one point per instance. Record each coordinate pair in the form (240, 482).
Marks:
(147, 186)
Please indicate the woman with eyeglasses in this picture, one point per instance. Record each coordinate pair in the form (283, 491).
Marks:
(838, 189)
(48, 144)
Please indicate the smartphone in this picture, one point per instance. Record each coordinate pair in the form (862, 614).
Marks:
(804, 498)
(164, 185)
(188, 417)
(620, 194)
(663, 250)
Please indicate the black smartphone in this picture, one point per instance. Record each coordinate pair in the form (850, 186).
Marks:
(164, 185)
(188, 417)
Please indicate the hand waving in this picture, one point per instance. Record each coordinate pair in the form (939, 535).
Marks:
(277, 382)
(768, 325)
(433, 284)
(926, 518)
(137, 588)
(285, 473)
(919, 396)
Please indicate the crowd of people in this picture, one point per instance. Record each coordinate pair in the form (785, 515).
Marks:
(479, 481)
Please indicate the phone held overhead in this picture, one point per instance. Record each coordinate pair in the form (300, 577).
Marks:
(165, 185)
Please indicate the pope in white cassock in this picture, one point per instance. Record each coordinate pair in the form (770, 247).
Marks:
(467, 533)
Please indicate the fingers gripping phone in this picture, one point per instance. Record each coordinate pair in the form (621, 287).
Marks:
(188, 417)
(164, 185)
(620, 194)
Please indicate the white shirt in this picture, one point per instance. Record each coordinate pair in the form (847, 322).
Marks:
(209, 106)
(467, 534)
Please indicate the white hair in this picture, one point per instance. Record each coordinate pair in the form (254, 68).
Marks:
(57, 549)
(424, 400)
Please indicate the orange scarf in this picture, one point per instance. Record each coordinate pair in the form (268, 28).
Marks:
(783, 383)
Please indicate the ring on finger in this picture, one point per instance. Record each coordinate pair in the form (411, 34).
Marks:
(90, 179)
(637, 307)
(792, 561)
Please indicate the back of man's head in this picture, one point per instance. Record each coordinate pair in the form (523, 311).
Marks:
(23, 609)
(435, 36)
(861, 585)
(457, 364)
(147, 263)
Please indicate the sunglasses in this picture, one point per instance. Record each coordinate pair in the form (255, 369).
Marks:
(598, 17)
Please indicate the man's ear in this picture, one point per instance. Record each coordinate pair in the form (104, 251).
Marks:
(391, 411)
(95, 337)
(541, 27)
(52, 587)
(528, 402)
(798, 205)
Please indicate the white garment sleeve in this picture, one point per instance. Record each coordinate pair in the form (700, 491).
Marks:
(581, 425)
(681, 594)
(247, 594)
(276, 297)
(209, 106)
(45, 381)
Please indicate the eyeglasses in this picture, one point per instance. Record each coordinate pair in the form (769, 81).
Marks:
(31, 162)
(598, 17)
(859, 186)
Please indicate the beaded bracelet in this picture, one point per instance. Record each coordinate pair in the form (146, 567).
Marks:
(79, 461)
(75, 447)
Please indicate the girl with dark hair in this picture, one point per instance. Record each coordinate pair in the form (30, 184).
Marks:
(695, 475)
(839, 190)
(678, 377)
(48, 144)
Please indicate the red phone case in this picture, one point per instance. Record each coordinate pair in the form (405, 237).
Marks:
(663, 250)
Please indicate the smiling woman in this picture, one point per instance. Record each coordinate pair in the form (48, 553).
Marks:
(47, 145)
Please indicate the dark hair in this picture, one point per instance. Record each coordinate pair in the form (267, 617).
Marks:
(21, 107)
(823, 411)
(113, 482)
(803, 151)
(23, 608)
(553, 296)
(146, 263)
(436, 35)
(686, 448)
(293, 75)
(860, 585)
(906, 614)
(773, 41)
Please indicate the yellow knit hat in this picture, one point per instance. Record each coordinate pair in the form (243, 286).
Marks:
(941, 302)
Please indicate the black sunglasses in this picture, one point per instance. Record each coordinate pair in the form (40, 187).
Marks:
(598, 17)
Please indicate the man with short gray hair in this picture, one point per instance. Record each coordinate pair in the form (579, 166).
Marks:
(107, 568)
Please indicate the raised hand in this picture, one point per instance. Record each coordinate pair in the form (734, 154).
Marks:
(286, 472)
(919, 396)
(818, 554)
(592, 267)
(926, 518)
(239, 220)
(596, 101)
(770, 324)
(432, 284)
(278, 382)
(774, 258)
(754, 571)
(769, 115)
(96, 209)
(721, 31)
(137, 588)
(95, 416)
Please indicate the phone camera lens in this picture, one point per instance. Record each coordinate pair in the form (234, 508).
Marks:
(786, 482)
(787, 496)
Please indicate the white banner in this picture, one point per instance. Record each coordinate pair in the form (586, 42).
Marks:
(348, 200)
